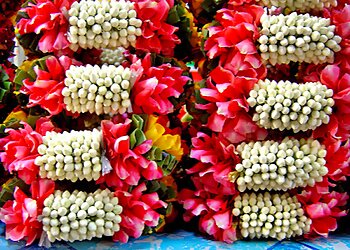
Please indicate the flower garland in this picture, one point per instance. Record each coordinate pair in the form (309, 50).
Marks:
(98, 24)
(132, 156)
(102, 90)
(103, 124)
(243, 108)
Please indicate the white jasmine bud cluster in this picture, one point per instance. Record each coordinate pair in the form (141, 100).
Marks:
(300, 5)
(70, 155)
(95, 89)
(113, 56)
(266, 215)
(297, 38)
(280, 166)
(292, 106)
(103, 24)
(81, 216)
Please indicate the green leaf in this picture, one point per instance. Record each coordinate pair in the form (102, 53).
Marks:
(155, 186)
(2, 93)
(173, 16)
(7, 85)
(137, 137)
(138, 121)
(171, 194)
(20, 76)
(8, 188)
(31, 120)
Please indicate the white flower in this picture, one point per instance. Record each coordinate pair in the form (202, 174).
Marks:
(300, 5)
(280, 166)
(297, 38)
(107, 25)
(96, 89)
(292, 106)
(270, 216)
(68, 163)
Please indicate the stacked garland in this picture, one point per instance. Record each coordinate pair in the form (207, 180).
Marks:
(101, 113)
(271, 109)
(91, 140)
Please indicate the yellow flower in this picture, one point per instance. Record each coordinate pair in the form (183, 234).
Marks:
(167, 142)
(19, 115)
(27, 65)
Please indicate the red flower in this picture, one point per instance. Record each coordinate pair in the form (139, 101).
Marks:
(217, 160)
(19, 149)
(129, 165)
(47, 18)
(154, 87)
(215, 216)
(228, 106)
(46, 89)
(238, 29)
(334, 78)
(157, 35)
(235, 3)
(139, 210)
(21, 215)
(323, 210)
(341, 19)
(233, 41)
(337, 159)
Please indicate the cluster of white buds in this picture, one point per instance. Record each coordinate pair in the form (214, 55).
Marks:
(268, 215)
(70, 155)
(293, 106)
(297, 38)
(280, 166)
(103, 24)
(95, 89)
(303, 6)
(113, 56)
(81, 216)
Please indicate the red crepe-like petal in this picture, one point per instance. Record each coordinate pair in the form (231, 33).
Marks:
(323, 209)
(18, 150)
(46, 89)
(129, 165)
(47, 18)
(157, 35)
(151, 91)
(20, 215)
(138, 211)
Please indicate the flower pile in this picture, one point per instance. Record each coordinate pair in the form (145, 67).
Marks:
(269, 74)
(126, 116)
(134, 154)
